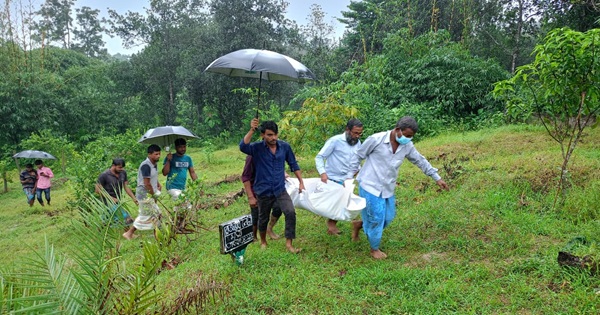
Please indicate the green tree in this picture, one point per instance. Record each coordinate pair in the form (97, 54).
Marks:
(319, 45)
(55, 24)
(581, 15)
(560, 88)
(88, 32)
(166, 30)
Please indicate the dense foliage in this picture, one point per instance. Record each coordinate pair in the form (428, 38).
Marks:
(435, 60)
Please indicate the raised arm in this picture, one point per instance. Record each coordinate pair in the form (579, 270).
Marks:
(253, 126)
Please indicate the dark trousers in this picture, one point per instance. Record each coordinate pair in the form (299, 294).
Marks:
(254, 213)
(265, 204)
(46, 192)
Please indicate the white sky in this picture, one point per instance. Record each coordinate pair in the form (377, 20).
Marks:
(298, 10)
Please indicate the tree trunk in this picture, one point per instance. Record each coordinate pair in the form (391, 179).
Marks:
(516, 48)
(5, 178)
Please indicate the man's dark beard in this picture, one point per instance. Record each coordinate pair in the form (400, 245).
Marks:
(350, 140)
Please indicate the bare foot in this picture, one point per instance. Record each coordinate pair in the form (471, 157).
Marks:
(263, 246)
(128, 235)
(377, 254)
(356, 226)
(293, 250)
(332, 228)
(272, 235)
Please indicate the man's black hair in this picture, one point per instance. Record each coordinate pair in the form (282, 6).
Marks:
(28, 165)
(268, 125)
(118, 162)
(38, 162)
(353, 123)
(407, 122)
(179, 141)
(153, 148)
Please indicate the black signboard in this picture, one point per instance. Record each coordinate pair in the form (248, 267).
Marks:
(235, 234)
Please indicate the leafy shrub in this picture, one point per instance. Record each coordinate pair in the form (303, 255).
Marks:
(97, 156)
(314, 123)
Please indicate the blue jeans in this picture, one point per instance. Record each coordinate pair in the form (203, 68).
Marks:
(116, 213)
(46, 191)
(29, 193)
(377, 215)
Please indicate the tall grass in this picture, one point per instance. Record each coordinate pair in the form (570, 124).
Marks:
(488, 246)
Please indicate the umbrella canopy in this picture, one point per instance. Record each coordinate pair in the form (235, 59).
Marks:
(263, 65)
(164, 136)
(34, 154)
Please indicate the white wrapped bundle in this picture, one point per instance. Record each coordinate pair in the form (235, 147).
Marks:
(329, 200)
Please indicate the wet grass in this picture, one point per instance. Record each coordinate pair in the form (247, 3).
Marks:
(488, 246)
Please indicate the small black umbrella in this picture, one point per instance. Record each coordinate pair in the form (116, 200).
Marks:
(263, 65)
(34, 154)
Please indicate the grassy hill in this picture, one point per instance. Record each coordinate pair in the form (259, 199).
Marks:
(488, 246)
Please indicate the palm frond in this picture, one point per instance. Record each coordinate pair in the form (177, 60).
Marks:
(42, 287)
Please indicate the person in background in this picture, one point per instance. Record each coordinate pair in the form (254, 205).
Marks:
(147, 190)
(44, 182)
(269, 157)
(176, 166)
(28, 179)
(333, 161)
(111, 183)
(383, 153)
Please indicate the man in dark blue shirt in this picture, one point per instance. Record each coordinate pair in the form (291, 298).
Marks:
(270, 156)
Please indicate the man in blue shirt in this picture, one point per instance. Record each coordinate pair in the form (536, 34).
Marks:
(333, 161)
(270, 156)
(383, 153)
(176, 166)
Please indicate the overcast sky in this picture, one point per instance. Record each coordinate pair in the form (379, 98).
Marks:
(298, 10)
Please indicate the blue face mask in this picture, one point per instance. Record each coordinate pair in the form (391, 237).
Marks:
(402, 140)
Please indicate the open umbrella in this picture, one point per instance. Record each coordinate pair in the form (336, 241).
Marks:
(263, 65)
(164, 136)
(34, 154)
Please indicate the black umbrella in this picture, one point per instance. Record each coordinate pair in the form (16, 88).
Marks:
(34, 154)
(165, 136)
(263, 65)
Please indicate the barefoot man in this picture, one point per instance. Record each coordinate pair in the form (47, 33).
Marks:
(248, 180)
(269, 157)
(333, 162)
(148, 188)
(383, 153)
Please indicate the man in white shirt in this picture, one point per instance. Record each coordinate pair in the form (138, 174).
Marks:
(333, 161)
(384, 152)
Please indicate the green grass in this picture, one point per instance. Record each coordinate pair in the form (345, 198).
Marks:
(488, 246)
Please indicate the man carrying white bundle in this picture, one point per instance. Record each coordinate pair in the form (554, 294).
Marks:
(333, 162)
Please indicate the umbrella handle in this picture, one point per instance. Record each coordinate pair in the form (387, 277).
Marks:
(259, 84)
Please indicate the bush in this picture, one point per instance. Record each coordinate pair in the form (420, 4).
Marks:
(97, 156)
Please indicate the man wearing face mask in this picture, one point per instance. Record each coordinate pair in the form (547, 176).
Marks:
(383, 153)
(333, 161)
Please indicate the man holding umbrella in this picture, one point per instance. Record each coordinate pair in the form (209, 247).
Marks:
(270, 156)
(28, 179)
(176, 166)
